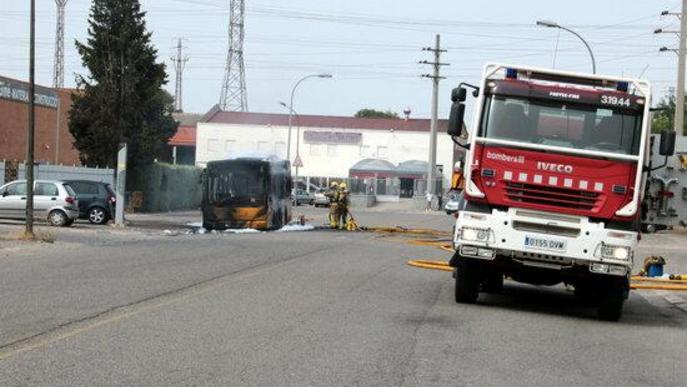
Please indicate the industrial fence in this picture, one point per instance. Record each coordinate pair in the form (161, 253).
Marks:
(165, 187)
(64, 172)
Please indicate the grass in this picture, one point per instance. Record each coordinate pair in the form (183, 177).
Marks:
(38, 236)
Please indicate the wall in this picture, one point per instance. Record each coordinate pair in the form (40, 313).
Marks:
(64, 172)
(218, 141)
(2, 172)
(14, 123)
(168, 187)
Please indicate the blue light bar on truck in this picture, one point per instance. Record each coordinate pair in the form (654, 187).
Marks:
(623, 86)
(511, 73)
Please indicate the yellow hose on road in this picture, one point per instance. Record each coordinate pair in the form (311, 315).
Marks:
(658, 280)
(649, 283)
(637, 282)
(434, 265)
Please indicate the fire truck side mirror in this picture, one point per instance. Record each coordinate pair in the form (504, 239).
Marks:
(455, 119)
(459, 94)
(667, 145)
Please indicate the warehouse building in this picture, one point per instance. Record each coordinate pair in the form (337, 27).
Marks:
(329, 147)
(54, 143)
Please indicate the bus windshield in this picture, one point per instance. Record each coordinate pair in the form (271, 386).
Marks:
(237, 182)
(562, 124)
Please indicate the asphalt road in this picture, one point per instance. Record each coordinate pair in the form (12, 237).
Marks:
(131, 308)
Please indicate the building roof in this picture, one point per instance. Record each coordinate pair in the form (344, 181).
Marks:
(372, 166)
(218, 116)
(185, 136)
(188, 119)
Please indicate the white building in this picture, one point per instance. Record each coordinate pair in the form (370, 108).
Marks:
(327, 146)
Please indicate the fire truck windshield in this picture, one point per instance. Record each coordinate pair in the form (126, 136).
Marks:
(562, 124)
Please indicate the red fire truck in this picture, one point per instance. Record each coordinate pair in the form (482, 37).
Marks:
(555, 173)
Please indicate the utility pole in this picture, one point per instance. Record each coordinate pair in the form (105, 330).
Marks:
(680, 103)
(179, 65)
(58, 71)
(435, 77)
(233, 96)
(679, 118)
(32, 116)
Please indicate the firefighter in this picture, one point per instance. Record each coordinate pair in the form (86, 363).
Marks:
(333, 196)
(342, 217)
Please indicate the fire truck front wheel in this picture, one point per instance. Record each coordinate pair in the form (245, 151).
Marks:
(467, 281)
(611, 300)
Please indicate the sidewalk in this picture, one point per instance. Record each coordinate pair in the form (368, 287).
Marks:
(669, 244)
(163, 220)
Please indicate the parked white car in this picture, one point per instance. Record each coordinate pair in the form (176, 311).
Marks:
(453, 203)
(53, 201)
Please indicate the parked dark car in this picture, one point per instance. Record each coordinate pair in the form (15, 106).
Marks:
(96, 200)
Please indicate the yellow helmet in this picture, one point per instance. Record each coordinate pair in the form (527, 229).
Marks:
(334, 184)
(343, 186)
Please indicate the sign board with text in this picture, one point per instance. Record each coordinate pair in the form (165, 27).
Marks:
(338, 138)
(13, 90)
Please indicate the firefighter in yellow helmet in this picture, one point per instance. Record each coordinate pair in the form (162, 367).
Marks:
(343, 206)
(333, 196)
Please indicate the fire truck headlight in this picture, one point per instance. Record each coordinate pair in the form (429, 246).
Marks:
(474, 234)
(615, 252)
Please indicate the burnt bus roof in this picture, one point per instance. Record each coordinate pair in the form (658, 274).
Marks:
(605, 98)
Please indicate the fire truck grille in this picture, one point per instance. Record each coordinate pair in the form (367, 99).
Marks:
(551, 196)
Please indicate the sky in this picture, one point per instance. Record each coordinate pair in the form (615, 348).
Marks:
(371, 48)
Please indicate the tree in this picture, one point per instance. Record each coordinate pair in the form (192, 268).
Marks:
(663, 119)
(122, 100)
(372, 113)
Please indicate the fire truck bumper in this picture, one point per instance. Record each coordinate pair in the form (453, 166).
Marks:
(545, 240)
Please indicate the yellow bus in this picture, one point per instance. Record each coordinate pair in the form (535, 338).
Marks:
(246, 193)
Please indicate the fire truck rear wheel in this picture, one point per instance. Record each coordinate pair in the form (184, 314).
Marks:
(611, 300)
(467, 281)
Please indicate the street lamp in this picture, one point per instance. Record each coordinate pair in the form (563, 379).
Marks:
(298, 133)
(551, 24)
(290, 107)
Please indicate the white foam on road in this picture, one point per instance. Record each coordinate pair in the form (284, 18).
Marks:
(296, 227)
(242, 231)
(287, 228)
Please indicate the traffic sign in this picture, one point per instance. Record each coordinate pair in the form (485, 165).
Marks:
(298, 163)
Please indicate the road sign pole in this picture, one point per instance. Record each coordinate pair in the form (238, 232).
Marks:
(121, 185)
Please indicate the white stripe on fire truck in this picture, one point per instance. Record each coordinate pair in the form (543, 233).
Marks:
(552, 180)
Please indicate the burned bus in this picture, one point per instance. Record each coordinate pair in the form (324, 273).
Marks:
(246, 193)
